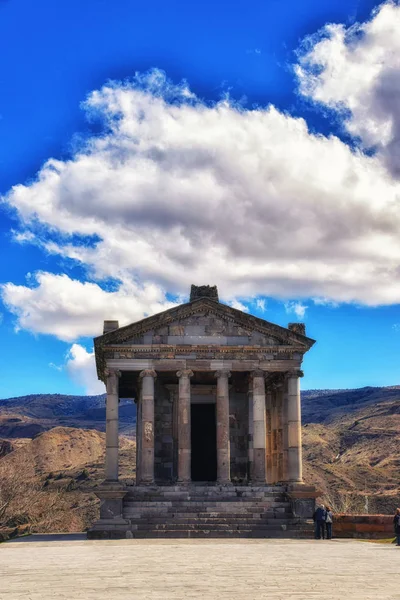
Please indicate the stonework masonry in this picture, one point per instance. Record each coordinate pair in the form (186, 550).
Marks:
(218, 419)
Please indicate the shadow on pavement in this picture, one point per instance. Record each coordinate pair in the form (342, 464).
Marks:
(49, 537)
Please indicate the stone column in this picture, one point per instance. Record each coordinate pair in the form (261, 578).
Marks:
(138, 453)
(184, 442)
(112, 424)
(294, 428)
(147, 427)
(259, 426)
(285, 441)
(250, 436)
(274, 432)
(279, 445)
(223, 445)
(268, 415)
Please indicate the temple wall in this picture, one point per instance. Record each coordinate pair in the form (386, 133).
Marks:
(238, 433)
(165, 470)
(163, 441)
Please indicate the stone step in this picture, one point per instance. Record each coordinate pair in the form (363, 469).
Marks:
(242, 500)
(177, 517)
(146, 489)
(200, 503)
(193, 523)
(196, 510)
(233, 533)
(209, 527)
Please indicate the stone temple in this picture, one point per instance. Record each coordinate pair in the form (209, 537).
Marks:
(218, 427)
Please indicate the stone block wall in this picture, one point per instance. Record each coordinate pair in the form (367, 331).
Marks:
(363, 526)
(238, 433)
(163, 440)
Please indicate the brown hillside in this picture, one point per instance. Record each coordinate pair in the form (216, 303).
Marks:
(357, 454)
(47, 484)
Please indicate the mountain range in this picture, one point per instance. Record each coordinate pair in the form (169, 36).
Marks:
(351, 444)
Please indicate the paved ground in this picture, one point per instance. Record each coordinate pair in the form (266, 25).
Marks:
(44, 567)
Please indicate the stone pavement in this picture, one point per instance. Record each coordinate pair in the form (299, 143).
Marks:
(70, 567)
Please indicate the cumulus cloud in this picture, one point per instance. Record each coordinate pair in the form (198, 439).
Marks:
(69, 308)
(179, 191)
(80, 365)
(356, 71)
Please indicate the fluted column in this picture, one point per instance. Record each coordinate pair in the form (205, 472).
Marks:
(112, 424)
(295, 473)
(259, 427)
(223, 445)
(147, 427)
(184, 441)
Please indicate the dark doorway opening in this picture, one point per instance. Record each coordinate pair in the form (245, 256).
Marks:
(204, 442)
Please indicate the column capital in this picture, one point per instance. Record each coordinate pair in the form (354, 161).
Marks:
(257, 373)
(222, 373)
(295, 373)
(185, 373)
(112, 373)
(148, 373)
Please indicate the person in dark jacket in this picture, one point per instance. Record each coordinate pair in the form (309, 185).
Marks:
(396, 523)
(328, 522)
(319, 517)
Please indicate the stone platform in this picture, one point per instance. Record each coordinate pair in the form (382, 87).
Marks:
(48, 567)
(203, 511)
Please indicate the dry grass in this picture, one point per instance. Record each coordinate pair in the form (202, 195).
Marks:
(47, 484)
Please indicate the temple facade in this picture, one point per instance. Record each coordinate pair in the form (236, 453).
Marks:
(217, 393)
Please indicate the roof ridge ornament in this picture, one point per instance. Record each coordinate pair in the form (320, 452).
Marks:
(203, 291)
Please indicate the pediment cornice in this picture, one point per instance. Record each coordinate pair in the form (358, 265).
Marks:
(207, 306)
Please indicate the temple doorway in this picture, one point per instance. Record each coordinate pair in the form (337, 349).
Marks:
(204, 442)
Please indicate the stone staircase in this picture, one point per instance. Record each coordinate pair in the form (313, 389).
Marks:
(210, 511)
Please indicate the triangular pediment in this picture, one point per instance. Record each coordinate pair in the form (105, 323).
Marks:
(204, 322)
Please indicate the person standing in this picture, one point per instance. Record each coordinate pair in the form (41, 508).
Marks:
(319, 517)
(396, 523)
(328, 523)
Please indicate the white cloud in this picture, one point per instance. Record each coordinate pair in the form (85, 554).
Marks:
(56, 367)
(81, 367)
(70, 309)
(261, 304)
(182, 192)
(357, 69)
(239, 305)
(297, 308)
(396, 327)
(179, 191)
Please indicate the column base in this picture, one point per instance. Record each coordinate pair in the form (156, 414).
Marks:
(111, 522)
(302, 498)
(111, 494)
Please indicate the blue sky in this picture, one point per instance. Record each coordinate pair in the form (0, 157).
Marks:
(302, 220)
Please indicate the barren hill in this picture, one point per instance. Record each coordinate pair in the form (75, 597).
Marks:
(47, 483)
(351, 444)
